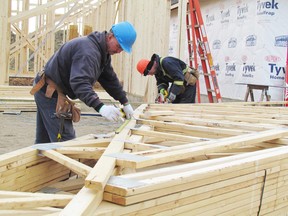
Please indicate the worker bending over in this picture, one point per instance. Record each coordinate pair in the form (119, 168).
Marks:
(73, 71)
(171, 70)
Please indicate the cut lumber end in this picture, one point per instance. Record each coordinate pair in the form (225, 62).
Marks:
(94, 185)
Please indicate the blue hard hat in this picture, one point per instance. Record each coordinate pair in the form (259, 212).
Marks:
(125, 34)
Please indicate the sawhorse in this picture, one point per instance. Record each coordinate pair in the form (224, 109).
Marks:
(251, 87)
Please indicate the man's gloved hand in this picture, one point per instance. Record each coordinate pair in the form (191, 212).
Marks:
(164, 92)
(127, 108)
(110, 112)
(171, 97)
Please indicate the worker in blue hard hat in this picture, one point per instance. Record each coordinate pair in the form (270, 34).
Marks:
(71, 73)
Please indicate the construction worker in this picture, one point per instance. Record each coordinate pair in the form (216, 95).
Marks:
(71, 73)
(169, 70)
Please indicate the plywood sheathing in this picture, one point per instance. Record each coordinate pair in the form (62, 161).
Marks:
(200, 159)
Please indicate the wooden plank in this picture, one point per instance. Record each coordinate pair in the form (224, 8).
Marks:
(68, 185)
(179, 175)
(167, 136)
(79, 168)
(157, 202)
(97, 179)
(35, 202)
(81, 152)
(220, 145)
(89, 197)
(28, 212)
(193, 129)
(212, 121)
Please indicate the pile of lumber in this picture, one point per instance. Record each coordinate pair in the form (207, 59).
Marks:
(18, 98)
(184, 159)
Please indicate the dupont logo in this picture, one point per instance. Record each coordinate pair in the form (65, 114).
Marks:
(244, 58)
(272, 58)
(232, 42)
(216, 44)
(251, 40)
(281, 41)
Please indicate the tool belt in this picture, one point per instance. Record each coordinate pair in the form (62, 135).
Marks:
(191, 76)
(64, 104)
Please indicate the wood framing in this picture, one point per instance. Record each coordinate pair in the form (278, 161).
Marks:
(184, 159)
(36, 31)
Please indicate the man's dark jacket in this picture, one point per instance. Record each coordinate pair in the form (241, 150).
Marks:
(79, 63)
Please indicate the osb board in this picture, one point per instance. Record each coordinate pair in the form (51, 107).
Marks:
(199, 159)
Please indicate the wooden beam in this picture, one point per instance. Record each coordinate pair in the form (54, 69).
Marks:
(75, 166)
(219, 145)
(5, 10)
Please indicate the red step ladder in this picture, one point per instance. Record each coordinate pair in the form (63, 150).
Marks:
(198, 43)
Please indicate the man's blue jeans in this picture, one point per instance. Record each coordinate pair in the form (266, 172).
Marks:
(47, 124)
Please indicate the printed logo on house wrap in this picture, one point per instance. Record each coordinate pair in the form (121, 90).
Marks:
(209, 18)
(248, 70)
(242, 11)
(216, 44)
(281, 41)
(230, 69)
(267, 7)
(225, 16)
(277, 71)
(251, 40)
(232, 43)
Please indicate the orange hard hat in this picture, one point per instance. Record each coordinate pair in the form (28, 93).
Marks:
(142, 65)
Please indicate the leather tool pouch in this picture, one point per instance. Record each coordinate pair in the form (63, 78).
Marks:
(37, 86)
(64, 105)
(191, 76)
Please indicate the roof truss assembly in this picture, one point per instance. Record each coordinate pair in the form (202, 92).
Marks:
(194, 159)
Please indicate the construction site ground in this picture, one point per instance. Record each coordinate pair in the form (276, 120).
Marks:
(18, 131)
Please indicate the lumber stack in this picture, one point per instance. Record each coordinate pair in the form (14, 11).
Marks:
(18, 98)
(184, 159)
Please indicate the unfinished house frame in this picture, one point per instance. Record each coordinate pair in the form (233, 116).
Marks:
(32, 30)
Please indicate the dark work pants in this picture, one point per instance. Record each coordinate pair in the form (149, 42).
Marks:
(188, 96)
(47, 124)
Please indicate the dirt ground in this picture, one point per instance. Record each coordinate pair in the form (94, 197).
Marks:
(18, 131)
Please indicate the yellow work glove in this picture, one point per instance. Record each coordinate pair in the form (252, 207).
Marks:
(164, 92)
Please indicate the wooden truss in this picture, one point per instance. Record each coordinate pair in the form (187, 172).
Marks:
(184, 159)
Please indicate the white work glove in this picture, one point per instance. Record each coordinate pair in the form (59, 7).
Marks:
(110, 112)
(128, 111)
